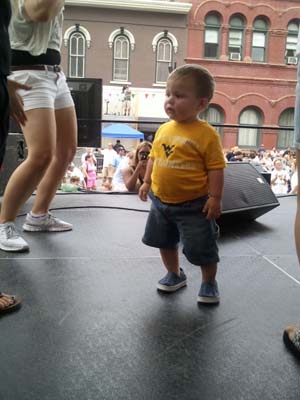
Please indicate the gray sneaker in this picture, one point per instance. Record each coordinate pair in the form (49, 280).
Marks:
(10, 240)
(49, 223)
(172, 282)
(209, 293)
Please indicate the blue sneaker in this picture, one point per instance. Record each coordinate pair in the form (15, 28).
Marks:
(171, 282)
(209, 293)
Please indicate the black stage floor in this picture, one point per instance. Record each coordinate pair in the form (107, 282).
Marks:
(93, 326)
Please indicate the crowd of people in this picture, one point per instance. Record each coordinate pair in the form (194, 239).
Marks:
(120, 171)
(280, 164)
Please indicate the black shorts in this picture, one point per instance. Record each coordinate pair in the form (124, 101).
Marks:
(4, 116)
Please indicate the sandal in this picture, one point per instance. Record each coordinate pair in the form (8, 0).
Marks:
(291, 338)
(8, 303)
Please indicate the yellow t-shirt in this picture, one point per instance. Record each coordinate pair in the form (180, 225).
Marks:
(182, 155)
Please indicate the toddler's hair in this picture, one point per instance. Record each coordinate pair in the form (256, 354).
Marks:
(204, 81)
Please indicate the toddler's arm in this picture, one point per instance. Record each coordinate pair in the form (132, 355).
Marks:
(213, 205)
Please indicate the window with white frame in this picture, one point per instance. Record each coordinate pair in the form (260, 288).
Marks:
(212, 36)
(213, 115)
(77, 39)
(285, 137)
(121, 57)
(291, 42)
(236, 38)
(164, 60)
(249, 137)
(259, 38)
(77, 54)
(165, 46)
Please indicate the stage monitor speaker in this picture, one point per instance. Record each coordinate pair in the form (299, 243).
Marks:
(87, 96)
(247, 194)
(15, 154)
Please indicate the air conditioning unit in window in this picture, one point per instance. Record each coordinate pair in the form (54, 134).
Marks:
(291, 60)
(235, 56)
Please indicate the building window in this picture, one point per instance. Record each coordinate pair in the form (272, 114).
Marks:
(215, 116)
(249, 137)
(212, 36)
(77, 52)
(236, 38)
(260, 28)
(165, 46)
(164, 60)
(77, 39)
(286, 137)
(291, 42)
(121, 54)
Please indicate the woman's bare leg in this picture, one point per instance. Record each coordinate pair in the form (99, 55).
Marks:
(40, 134)
(66, 144)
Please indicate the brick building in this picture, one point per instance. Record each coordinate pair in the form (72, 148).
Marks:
(249, 46)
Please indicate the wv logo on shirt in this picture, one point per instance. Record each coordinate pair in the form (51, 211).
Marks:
(168, 149)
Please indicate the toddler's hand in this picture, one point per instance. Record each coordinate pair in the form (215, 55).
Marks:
(143, 192)
(212, 208)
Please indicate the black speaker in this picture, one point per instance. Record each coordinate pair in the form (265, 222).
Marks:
(87, 96)
(15, 154)
(247, 194)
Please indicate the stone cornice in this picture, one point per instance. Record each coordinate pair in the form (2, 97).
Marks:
(160, 6)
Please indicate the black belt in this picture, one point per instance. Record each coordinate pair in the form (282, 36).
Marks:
(52, 68)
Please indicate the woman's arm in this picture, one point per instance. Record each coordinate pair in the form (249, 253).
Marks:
(43, 10)
(130, 177)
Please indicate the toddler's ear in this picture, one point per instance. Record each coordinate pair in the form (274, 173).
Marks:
(203, 103)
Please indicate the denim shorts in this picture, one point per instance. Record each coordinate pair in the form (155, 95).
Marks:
(49, 89)
(170, 224)
(297, 108)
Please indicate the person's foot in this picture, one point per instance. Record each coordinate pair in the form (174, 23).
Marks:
(10, 240)
(8, 303)
(291, 338)
(209, 293)
(47, 223)
(172, 282)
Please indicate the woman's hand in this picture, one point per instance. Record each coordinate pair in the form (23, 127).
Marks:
(16, 102)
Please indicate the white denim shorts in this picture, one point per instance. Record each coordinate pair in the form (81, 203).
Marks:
(297, 108)
(49, 89)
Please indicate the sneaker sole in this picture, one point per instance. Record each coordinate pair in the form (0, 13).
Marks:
(33, 228)
(15, 250)
(208, 300)
(165, 288)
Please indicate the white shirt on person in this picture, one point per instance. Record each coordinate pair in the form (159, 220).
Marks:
(34, 36)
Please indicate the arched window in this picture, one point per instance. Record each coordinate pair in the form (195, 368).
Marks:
(286, 137)
(121, 58)
(212, 36)
(259, 38)
(215, 116)
(236, 38)
(164, 60)
(291, 42)
(77, 51)
(165, 46)
(77, 39)
(249, 137)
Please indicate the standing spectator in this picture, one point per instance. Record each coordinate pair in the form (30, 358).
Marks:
(36, 35)
(126, 92)
(279, 178)
(185, 173)
(108, 169)
(89, 170)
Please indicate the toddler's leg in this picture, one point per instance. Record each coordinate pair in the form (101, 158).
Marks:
(175, 278)
(171, 260)
(209, 292)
